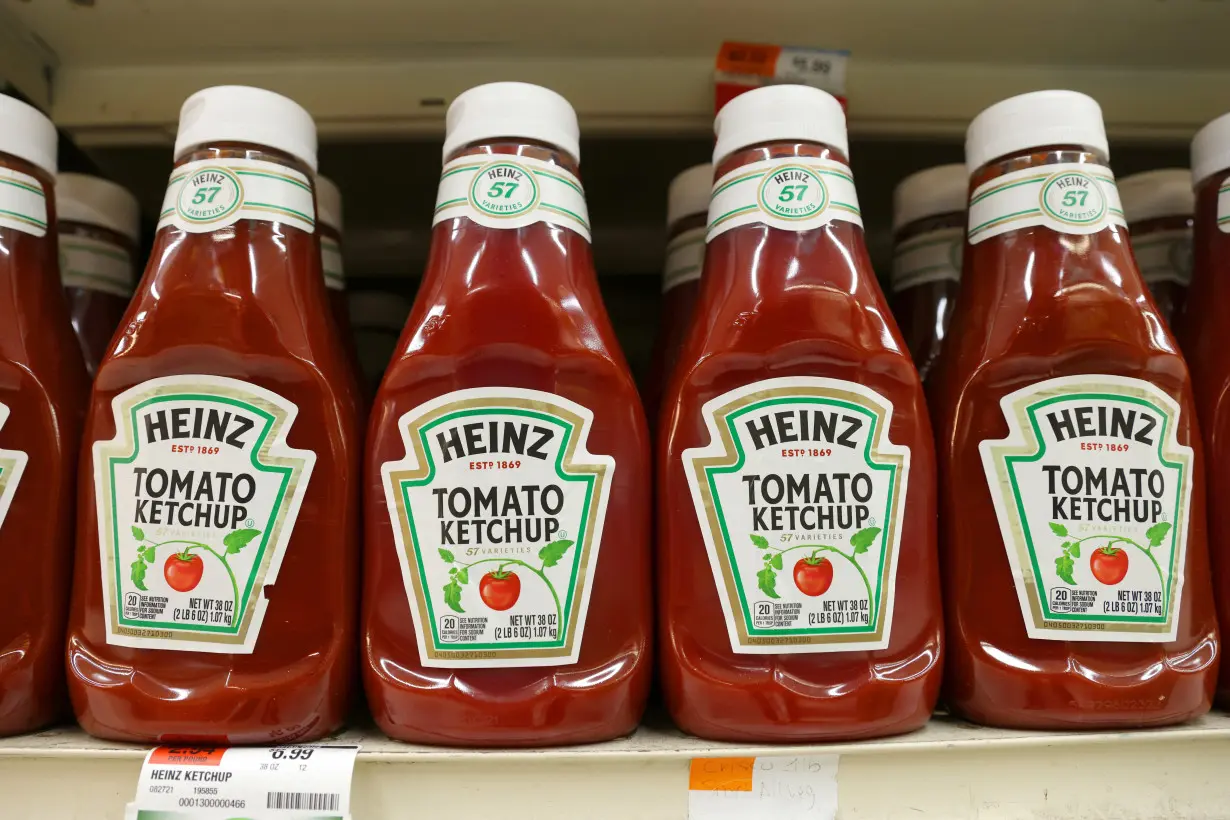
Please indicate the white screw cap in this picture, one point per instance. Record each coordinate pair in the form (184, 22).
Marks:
(688, 193)
(513, 111)
(777, 113)
(943, 189)
(1211, 149)
(1153, 194)
(99, 202)
(27, 134)
(239, 113)
(1017, 124)
(328, 203)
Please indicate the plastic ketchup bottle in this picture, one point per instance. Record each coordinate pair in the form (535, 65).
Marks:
(43, 389)
(1075, 562)
(798, 586)
(928, 236)
(687, 205)
(1205, 332)
(99, 226)
(507, 595)
(214, 595)
(1158, 207)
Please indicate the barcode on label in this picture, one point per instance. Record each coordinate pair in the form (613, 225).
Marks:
(310, 801)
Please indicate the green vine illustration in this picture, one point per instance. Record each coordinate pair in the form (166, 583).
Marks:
(766, 578)
(459, 573)
(1070, 549)
(232, 543)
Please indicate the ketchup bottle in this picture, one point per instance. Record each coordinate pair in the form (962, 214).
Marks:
(928, 235)
(1075, 561)
(506, 574)
(99, 227)
(687, 205)
(43, 386)
(329, 207)
(799, 592)
(1205, 332)
(214, 594)
(1158, 207)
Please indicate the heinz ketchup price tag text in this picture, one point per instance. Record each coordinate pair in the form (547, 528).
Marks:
(291, 782)
(801, 787)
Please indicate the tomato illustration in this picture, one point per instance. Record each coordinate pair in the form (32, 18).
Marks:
(500, 590)
(1109, 565)
(183, 572)
(813, 576)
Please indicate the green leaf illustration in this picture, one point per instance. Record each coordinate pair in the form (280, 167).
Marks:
(138, 533)
(138, 575)
(463, 576)
(237, 540)
(551, 553)
(1072, 548)
(452, 596)
(146, 553)
(1064, 567)
(760, 541)
(1059, 529)
(447, 556)
(776, 561)
(1157, 532)
(767, 580)
(863, 539)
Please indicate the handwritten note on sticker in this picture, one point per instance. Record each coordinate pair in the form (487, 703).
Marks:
(802, 787)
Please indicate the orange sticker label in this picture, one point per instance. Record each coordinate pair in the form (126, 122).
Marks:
(721, 774)
(748, 58)
(186, 756)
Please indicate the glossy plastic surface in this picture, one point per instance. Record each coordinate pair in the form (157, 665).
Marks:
(1168, 296)
(923, 312)
(513, 308)
(783, 303)
(44, 385)
(1205, 334)
(246, 302)
(95, 313)
(339, 306)
(1034, 305)
(678, 307)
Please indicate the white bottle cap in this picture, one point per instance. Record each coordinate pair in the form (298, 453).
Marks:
(97, 201)
(780, 113)
(943, 189)
(328, 203)
(238, 113)
(513, 111)
(26, 133)
(1211, 149)
(1165, 192)
(1017, 124)
(688, 193)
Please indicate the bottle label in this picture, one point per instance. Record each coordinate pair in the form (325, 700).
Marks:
(12, 465)
(23, 204)
(792, 193)
(93, 264)
(331, 263)
(210, 194)
(934, 256)
(507, 191)
(1092, 492)
(685, 258)
(800, 496)
(1223, 206)
(1067, 197)
(1165, 256)
(197, 496)
(497, 512)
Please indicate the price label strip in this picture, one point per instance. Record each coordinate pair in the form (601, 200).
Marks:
(285, 782)
(801, 787)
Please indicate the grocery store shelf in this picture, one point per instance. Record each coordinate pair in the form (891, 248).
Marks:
(948, 770)
(381, 67)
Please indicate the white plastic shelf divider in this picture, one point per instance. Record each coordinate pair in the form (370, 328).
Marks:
(947, 770)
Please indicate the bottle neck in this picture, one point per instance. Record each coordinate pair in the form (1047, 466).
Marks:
(29, 266)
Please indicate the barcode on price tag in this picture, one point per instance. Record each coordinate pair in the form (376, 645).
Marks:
(798, 787)
(278, 783)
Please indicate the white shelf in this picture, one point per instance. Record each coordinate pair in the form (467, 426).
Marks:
(121, 68)
(947, 770)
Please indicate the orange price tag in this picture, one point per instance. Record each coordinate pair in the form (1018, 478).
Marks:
(721, 774)
(185, 756)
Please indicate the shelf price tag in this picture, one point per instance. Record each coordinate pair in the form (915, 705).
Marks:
(287, 782)
(799, 787)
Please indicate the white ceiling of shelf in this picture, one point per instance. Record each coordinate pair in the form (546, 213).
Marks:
(371, 66)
